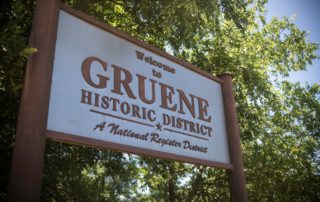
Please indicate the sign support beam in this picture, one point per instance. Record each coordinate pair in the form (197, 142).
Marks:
(29, 148)
(237, 179)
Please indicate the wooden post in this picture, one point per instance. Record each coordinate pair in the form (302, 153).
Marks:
(237, 179)
(29, 148)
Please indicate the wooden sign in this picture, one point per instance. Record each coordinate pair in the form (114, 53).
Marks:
(110, 88)
(93, 85)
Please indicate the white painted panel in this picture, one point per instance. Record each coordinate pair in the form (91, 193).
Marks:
(78, 40)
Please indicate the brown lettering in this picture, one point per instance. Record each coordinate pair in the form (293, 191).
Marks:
(183, 99)
(86, 69)
(209, 131)
(151, 115)
(142, 89)
(203, 132)
(139, 55)
(118, 82)
(104, 103)
(86, 97)
(192, 129)
(96, 99)
(114, 101)
(125, 108)
(203, 110)
(166, 97)
(135, 111)
(166, 119)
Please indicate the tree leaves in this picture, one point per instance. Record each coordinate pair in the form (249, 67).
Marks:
(27, 52)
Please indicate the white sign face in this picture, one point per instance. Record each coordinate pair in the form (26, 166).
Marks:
(107, 88)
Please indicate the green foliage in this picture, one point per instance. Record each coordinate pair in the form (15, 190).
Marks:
(85, 174)
(279, 121)
(27, 52)
(15, 22)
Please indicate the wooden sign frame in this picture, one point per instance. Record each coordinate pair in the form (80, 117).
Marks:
(29, 149)
(69, 138)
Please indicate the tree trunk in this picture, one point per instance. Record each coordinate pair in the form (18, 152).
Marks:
(171, 182)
